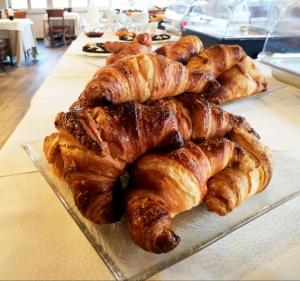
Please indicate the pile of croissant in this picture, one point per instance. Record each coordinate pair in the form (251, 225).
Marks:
(155, 116)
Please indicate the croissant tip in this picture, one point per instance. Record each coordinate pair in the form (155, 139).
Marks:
(166, 242)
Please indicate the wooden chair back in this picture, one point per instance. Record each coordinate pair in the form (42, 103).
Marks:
(55, 13)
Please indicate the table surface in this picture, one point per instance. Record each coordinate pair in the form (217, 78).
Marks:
(38, 239)
(16, 24)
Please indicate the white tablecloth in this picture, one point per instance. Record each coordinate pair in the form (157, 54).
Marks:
(72, 19)
(38, 239)
(21, 35)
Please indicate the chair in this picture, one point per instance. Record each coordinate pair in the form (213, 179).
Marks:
(55, 29)
(68, 10)
(5, 52)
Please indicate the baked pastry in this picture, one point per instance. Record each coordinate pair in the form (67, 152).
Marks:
(183, 49)
(163, 185)
(130, 49)
(93, 146)
(242, 80)
(217, 59)
(230, 187)
(142, 78)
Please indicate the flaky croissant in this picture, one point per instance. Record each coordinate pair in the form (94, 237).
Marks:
(235, 84)
(217, 59)
(93, 146)
(164, 185)
(141, 45)
(142, 78)
(183, 49)
(230, 187)
(130, 49)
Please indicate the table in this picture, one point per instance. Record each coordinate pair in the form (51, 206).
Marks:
(72, 19)
(21, 35)
(38, 239)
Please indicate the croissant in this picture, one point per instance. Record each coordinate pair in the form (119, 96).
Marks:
(217, 59)
(130, 49)
(164, 185)
(115, 46)
(235, 84)
(144, 39)
(93, 146)
(183, 49)
(230, 187)
(163, 50)
(142, 78)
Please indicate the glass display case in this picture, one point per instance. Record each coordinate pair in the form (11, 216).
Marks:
(282, 48)
(175, 13)
(243, 22)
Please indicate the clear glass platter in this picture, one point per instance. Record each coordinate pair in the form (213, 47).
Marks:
(197, 227)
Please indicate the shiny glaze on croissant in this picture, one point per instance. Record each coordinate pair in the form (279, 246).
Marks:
(130, 49)
(217, 59)
(230, 187)
(93, 147)
(236, 83)
(164, 185)
(117, 135)
(183, 49)
(142, 78)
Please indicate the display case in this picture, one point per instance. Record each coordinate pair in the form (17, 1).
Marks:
(175, 13)
(242, 22)
(282, 48)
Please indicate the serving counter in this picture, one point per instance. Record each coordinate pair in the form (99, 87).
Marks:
(39, 240)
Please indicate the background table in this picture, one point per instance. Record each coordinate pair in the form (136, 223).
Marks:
(21, 36)
(72, 19)
(38, 239)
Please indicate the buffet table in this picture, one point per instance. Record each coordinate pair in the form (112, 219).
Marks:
(39, 240)
(21, 36)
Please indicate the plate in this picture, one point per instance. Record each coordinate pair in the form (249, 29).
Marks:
(197, 228)
(102, 55)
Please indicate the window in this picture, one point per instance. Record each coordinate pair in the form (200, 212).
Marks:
(19, 4)
(101, 3)
(38, 4)
(79, 3)
(60, 3)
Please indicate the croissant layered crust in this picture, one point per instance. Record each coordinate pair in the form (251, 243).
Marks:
(121, 133)
(217, 59)
(242, 80)
(183, 49)
(164, 185)
(229, 188)
(142, 78)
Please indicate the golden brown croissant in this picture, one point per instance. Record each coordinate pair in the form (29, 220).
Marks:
(230, 187)
(183, 49)
(163, 50)
(217, 59)
(164, 185)
(93, 146)
(142, 78)
(235, 84)
(130, 49)
(144, 39)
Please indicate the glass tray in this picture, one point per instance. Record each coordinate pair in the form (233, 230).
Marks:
(197, 227)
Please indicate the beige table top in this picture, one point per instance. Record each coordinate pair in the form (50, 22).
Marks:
(16, 24)
(38, 239)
